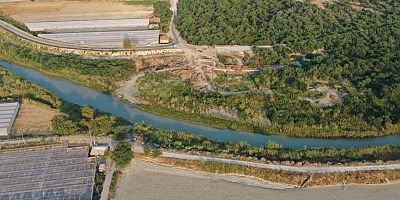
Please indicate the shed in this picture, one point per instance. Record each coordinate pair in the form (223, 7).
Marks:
(155, 20)
(99, 150)
(164, 39)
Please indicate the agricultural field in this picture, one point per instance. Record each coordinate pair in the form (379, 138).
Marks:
(33, 117)
(28, 11)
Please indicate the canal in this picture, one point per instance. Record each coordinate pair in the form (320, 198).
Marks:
(81, 95)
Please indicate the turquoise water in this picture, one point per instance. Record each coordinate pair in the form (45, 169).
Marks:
(81, 95)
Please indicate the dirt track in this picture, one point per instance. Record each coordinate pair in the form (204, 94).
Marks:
(143, 180)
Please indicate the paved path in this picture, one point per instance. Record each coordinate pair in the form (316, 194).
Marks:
(304, 169)
(107, 181)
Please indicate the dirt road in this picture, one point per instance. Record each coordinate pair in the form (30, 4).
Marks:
(143, 180)
(130, 90)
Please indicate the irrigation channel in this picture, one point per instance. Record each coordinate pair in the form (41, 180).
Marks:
(81, 95)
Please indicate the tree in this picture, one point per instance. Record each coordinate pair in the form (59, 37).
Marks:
(101, 125)
(88, 112)
(122, 155)
(61, 124)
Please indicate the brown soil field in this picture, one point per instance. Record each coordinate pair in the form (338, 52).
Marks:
(143, 180)
(36, 11)
(33, 118)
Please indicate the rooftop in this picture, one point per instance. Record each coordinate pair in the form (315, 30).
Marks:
(8, 113)
(52, 171)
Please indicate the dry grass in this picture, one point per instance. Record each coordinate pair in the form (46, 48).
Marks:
(291, 178)
(33, 118)
(28, 11)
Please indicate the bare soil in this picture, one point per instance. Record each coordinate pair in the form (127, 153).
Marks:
(33, 118)
(143, 180)
(36, 11)
(320, 3)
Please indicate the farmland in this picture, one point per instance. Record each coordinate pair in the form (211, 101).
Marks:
(28, 11)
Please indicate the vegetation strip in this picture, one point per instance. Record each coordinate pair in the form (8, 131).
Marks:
(303, 169)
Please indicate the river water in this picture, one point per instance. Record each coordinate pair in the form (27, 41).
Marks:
(81, 95)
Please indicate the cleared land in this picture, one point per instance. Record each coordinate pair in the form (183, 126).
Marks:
(144, 180)
(33, 118)
(36, 11)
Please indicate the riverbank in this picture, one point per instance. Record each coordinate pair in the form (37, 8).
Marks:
(109, 104)
(104, 76)
(100, 74)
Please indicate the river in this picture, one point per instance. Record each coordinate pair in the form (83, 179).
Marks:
(81, 95)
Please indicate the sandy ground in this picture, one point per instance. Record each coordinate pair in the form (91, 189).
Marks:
(320, 3)
(28, 11)
(142, 180)
(130, 90)
(33, 118)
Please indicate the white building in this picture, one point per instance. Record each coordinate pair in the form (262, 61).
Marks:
(99, 150)
(8, 113)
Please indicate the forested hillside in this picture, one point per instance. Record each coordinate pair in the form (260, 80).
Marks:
(360, 67)
(302, 26)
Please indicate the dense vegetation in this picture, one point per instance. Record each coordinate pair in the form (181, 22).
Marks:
(162, 10)
(13, 88)
(84, 119)
(268, 22)
(360, 62)
(122, 154)
(271, 151)
(101, 75)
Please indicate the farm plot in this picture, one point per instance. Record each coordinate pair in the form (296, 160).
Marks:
(38, 11)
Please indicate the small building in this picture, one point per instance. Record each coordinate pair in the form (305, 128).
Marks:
(154, 20)
(164, 39)
(8, 113)
(102, 165)
(99, 150)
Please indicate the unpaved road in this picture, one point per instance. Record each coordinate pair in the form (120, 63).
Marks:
(304, 169)
(107, 182)
(142, 180)
(130, 89)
